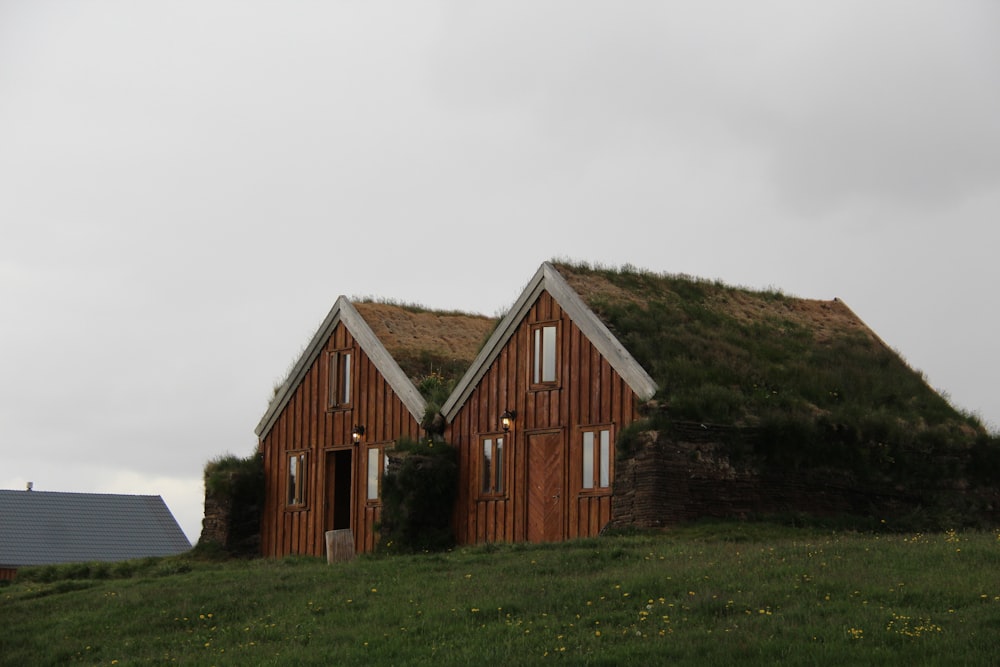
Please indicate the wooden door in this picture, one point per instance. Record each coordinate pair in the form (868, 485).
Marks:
(545, 497)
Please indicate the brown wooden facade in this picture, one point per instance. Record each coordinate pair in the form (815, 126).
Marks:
(550, 362)
(541, 493)
(330, 488)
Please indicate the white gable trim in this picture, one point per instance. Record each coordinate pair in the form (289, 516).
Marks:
(344, 311)
(547, 278)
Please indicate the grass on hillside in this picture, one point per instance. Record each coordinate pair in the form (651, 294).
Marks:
(714, 362)
(818, 387)
(715, 594)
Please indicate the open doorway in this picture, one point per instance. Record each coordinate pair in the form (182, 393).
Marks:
(339, 475)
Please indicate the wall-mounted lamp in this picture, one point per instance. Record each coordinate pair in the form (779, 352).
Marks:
(356, 433)
(506, 418)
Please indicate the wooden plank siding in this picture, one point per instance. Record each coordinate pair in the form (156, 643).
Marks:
(588, 393)
(306, 424)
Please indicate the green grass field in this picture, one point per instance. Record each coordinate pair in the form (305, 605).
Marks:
(707, 594)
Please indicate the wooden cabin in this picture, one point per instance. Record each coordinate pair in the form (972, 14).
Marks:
(535, 420)
(351, 394)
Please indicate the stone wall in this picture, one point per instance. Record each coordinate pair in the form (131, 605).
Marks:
(690, 473)
(231, 523)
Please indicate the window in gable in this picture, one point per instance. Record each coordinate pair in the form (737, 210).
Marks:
(339, 390)
(544, 354)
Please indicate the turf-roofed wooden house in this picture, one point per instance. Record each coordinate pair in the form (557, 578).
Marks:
(536, 416)
(646, 399)
(352, 393)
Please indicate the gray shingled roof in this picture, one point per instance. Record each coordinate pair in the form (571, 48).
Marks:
(45, 527)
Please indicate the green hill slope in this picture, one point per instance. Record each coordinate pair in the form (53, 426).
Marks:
(718, 594)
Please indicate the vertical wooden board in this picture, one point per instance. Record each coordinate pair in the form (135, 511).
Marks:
(281, 464)
(594, 385)
(573, 376)
(316, 405)
(480, 527)
(459, 524)
(499, 532)
(504, 401)
(323, 376)
(543, 417)
(358, 414)
(303, 520)
(589, 520)
(491, 515)
(556, 416)
(365, 410)
(491, 520)
(608, 379)
(583, 518)
(517, 492)
(491, 410)
(358, 499)
(297, 418)
(503, 529)
(266, 514)
(481, 403)
(278, 479)
(583, 385)
(512, 377)
(604, 389)
(614, 399)
(370, 536)
(569, 371)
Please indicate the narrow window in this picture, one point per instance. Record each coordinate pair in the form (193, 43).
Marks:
(588, 459)
(491, 466)
(544, 354)
(339, 389)
(605, 459)
(297, 479)
(345, 378)
(374, 472)
(596, 459)
(498, 466)
(487, 466)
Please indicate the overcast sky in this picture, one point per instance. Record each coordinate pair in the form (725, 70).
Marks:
(186, 187)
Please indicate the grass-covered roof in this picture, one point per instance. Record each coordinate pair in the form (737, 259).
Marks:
(424, 341)
(733, 355)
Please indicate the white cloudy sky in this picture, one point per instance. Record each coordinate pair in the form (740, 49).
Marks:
(186, 187)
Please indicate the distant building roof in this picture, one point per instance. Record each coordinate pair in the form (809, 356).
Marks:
(45, 527)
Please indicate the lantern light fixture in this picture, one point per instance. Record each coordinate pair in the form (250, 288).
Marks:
(506, 418)
(356, 433)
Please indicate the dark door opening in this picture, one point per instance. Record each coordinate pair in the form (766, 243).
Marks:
(339, 475)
